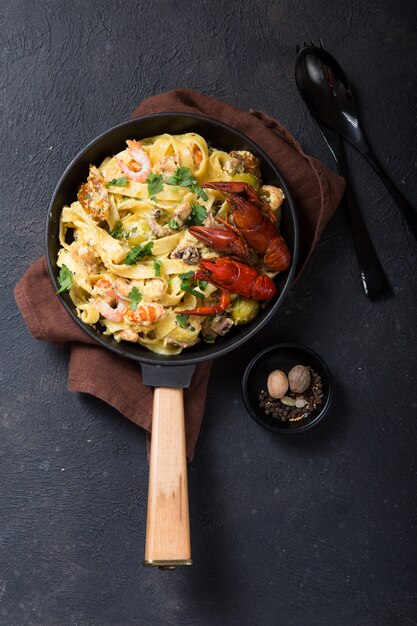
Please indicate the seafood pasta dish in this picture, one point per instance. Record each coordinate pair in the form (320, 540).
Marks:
(171, 242)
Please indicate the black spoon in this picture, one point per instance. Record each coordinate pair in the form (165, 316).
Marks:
(372, 275)
(325, 88)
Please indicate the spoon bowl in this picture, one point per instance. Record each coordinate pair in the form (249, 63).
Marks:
(325, 89)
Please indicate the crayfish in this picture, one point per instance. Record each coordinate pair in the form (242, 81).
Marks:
(231, 276)
(253, 219)
(254, 226)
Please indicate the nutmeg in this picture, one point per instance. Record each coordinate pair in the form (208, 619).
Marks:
(299, 378)
(277, 384)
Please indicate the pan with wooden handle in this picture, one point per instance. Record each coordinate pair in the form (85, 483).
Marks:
(168, 527)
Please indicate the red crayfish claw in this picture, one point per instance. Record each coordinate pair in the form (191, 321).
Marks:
(226, 240)
(231, 276)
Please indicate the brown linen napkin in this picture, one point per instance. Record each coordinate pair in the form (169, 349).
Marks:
(118, 381)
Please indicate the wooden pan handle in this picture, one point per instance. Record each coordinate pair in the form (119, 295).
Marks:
(168, 526)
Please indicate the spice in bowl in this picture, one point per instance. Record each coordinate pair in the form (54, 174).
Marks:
(293, 397)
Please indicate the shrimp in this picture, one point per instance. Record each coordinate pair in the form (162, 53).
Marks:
(114, 315)
(273, 195)
(139, 159)
(123, 287)
(105, 290)
(146, 314)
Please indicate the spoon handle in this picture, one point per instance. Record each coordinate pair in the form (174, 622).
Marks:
(405, 207)
(374, 281)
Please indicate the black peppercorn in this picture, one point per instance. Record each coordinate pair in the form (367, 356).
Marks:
(312, 396)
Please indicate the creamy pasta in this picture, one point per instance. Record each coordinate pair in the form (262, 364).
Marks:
(127, 256)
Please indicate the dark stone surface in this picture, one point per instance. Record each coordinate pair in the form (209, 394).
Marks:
(317, 530)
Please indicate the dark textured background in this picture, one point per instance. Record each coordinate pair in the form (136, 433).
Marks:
(318, 530)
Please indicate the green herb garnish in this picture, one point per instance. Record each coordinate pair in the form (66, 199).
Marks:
(182, 320)
(138, 252)
(199, 192)
(157, 267)
(198, 214)
(202, 284)
(173, 224)
(188, 282)
(155, 184)
(184, 178)
(197, 294)
(117, 231)
(135, 297)
(209, 338)
(118, 182)
(64, 279)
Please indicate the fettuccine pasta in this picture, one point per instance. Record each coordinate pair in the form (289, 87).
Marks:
(127, 257)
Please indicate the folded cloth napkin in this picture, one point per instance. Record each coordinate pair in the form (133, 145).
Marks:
(118, 381)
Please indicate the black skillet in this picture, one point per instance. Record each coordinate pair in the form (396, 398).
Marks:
(167, 536)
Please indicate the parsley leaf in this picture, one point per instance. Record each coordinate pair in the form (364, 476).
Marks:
(202, 284)
(118, 182)
(198, 214)
(184, 178)
(155, 184)
(182, 320)
(199, 192)
(135, 297)
(64, 279)
(188, 283)
(117, 231)
(186, 275)
(138, 252)
(173, 224)
(157, 267)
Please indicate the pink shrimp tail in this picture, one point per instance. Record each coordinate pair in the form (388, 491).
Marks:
(139, 156)
(114, 315)
(135, 150)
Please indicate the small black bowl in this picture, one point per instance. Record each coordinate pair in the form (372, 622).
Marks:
(284, 356)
